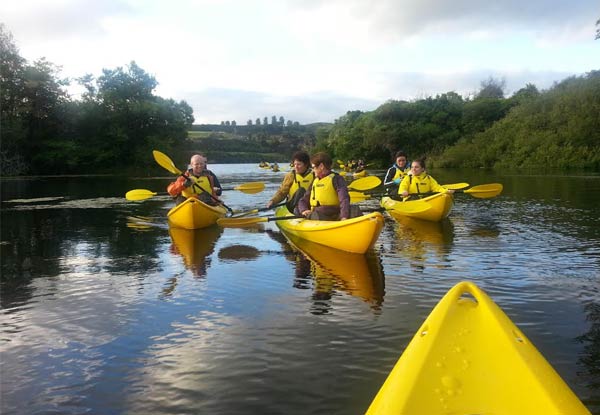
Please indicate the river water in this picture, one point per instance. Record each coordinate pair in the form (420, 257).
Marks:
(104, 310)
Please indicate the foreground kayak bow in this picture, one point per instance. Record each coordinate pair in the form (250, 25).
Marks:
(469, 358)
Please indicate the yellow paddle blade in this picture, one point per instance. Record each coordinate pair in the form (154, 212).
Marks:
(365, 183)
(358, 196)
(456, 186)
(165, 162)
(139, 194)
(343, 173)
(251, 187)
(485, 191)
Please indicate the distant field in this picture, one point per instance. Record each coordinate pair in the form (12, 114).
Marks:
(198, 134)
(195, 135)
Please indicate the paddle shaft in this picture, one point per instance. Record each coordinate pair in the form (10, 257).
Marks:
(249, 212)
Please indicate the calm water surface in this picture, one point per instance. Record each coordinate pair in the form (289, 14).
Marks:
(105, 310)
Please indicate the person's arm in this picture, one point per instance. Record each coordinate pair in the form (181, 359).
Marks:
(389, 177)
(216, 185)
(436, 187)
(343, 196)
(175, 188)
(404, 186)
(283, 190)
(304, 203)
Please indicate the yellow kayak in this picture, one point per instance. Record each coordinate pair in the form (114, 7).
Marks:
(433, 208)
(194, 214)
(359, 275)
(469, 358)
(352, 235)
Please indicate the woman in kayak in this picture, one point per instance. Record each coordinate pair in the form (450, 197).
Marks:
(197, 182)
(396, 173)
(327, 198)
(295, 182)
(418, 182)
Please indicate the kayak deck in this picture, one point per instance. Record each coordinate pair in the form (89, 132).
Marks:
(469, 358)
(195, 214)
(433, 208)
(352, 235)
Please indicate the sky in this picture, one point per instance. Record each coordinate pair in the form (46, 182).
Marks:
(310, 60)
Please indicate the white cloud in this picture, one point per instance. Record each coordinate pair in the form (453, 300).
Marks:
(310, 60)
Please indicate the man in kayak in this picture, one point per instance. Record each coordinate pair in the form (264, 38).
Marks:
(294, 183)
(396, 173)
(197, 182)
(327, 197)
(418, 182)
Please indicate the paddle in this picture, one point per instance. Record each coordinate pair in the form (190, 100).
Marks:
(483, 191)
(365, 183)
(143, 194)
(359, 197)
(165, 162)
(239, 214)
(406, 208)
(238, 222)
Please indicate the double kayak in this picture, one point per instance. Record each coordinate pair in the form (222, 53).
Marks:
(432, 208)
(194, 214)
(352, 235)
(468, 357)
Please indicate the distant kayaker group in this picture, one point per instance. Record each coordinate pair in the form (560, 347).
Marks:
(311, 189)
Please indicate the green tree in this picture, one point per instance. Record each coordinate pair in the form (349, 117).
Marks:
(492, 88)
(12, 108)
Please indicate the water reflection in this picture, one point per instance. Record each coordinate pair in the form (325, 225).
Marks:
(238, 252)
(416, 239)
(334, 270)
(590, 356)
(195, 246)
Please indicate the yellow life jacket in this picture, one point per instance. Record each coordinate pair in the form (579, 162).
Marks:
(323, 192)
(417, 184)
(202, 182)
(300, 182)
(401, 173)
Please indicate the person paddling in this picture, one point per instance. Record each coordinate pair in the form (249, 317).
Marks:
(197, 182)
(327, 198)
(418, 182)
(396, 173)
(294, 183)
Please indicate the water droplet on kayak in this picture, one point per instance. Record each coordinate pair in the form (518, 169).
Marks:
(450, 382)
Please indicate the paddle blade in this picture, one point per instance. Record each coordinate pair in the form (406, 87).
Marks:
(358, 196)
(365, 183)
(165, 162)
(456, 186)
(139, 194)
(251, 187)
(485, 191)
